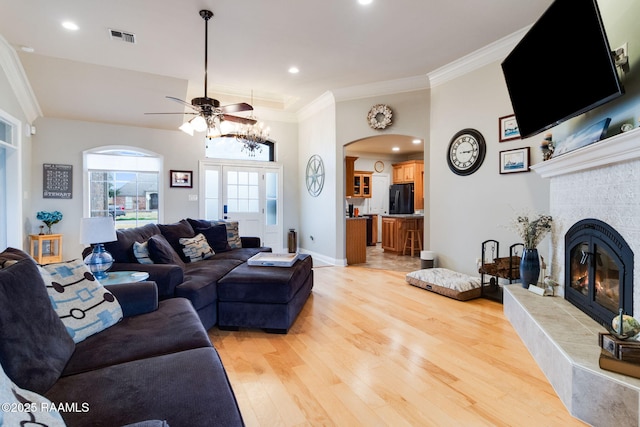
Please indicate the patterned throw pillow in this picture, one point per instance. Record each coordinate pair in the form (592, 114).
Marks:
(29, 408)
(141, 251)
(233, 234)
(196, 248)
(82, 303)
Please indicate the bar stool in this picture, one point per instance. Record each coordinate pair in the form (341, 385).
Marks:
(410, 241)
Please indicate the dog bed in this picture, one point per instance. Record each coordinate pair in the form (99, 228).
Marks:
(446, 282)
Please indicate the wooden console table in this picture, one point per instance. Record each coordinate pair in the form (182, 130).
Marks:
(54, 251)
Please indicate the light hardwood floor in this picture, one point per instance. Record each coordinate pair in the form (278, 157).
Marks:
(370, 350)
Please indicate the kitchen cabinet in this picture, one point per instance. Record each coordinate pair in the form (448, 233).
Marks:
(411, 171)
(356, 232)
(349, 175)
(362, 184)
(394, 230)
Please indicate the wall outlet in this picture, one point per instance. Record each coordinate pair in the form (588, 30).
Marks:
(193, 197)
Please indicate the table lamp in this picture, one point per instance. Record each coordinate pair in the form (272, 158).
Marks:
(96, 231)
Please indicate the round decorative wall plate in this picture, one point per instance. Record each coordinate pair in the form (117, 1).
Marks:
(378, 166)
(314, 176)
(379, 116)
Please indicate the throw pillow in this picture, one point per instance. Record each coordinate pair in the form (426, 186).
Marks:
(29, 408)
(216, 236)
(141, 251)
(161, 252)
(196, 248)
(34, 344)
(199, 223)
(174, 232)
(82, 303)
(233, 234)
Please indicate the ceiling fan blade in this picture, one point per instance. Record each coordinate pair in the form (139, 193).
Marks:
(238, 119)
(235, 108)
(173, 113)
(180, 101)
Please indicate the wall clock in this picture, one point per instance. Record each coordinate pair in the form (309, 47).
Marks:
(379, 116)
(314, 176)
(466, 152)
(378, 166)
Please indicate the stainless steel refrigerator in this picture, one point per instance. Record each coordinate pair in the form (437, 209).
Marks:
(401, 199)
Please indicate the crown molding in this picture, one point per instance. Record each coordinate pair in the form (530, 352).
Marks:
(389, 87)
(18, 81)
(495, 51)
(325, 100)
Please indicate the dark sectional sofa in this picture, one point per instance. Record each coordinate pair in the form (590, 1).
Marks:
(172, 271)
(155, 367)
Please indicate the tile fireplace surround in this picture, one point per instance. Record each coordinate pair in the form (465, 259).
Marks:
(599, 181)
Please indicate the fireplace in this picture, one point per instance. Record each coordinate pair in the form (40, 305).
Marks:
(598, 270)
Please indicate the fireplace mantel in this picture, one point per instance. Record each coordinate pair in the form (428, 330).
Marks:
(620, 148)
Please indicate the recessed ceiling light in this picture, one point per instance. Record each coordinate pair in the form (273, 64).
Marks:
(70, 25)
(417, 141)
(365, 1)
(294, 70)
(27, 49)
(395, 149)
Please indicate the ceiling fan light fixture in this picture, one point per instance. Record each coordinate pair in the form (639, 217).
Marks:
(187, 128)
(199, 124)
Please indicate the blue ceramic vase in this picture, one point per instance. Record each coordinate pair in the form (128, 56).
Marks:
(529, 267)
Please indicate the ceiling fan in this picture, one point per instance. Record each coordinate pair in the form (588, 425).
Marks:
(209, 114)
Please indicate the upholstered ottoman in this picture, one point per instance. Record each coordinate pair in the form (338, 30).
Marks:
(269, 298)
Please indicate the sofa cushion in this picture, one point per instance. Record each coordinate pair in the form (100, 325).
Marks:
(34, 344)
(199, 223)
(196, 248)
(161, 252)
(233, 233)
(188, 388)
(200, 280)
(82, 303)
(141, 252)
(173, 327)
(122, 249)
(39, 412)
(174, 232)
(216, 235)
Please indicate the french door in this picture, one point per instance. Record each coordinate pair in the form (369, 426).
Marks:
(249, 194)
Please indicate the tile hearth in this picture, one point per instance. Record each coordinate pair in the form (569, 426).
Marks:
(564, 342)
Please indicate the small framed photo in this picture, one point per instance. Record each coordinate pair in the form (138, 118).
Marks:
(508, 128)
(512, 161)
(182, 179)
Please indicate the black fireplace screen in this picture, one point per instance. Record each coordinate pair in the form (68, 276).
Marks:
(599, 270)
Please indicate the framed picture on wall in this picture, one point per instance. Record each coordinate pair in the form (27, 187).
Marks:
(182, 179)
(512, 161)
(508, 128)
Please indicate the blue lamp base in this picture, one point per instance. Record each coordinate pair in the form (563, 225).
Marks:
(99, 261)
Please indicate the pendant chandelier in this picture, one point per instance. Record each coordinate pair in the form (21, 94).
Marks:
(252, 135)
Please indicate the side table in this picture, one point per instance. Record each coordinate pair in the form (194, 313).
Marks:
(118, 277)
(46, 248)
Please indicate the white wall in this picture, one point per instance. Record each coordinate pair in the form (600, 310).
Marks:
(63, 141)
(467, 210)
(320, 233)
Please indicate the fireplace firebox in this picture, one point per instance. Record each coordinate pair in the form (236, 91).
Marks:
(598, 270)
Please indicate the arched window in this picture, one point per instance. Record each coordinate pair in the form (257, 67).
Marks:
(228, 147)
(125, 183)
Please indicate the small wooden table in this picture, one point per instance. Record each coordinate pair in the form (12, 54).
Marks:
(46, 253)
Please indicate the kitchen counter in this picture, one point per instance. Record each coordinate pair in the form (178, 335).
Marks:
(356, 232)
(394, 230)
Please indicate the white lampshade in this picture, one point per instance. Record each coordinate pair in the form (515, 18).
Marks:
(199, 124)
(187, 128)
(97, 229)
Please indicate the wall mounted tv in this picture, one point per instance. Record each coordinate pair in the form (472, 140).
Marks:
(561, 68)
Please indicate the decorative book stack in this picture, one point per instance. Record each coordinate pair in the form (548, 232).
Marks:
(619, 356)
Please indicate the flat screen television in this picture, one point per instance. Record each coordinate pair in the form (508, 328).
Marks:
(561, 68)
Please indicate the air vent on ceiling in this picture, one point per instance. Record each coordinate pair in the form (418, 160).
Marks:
(122, 36)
